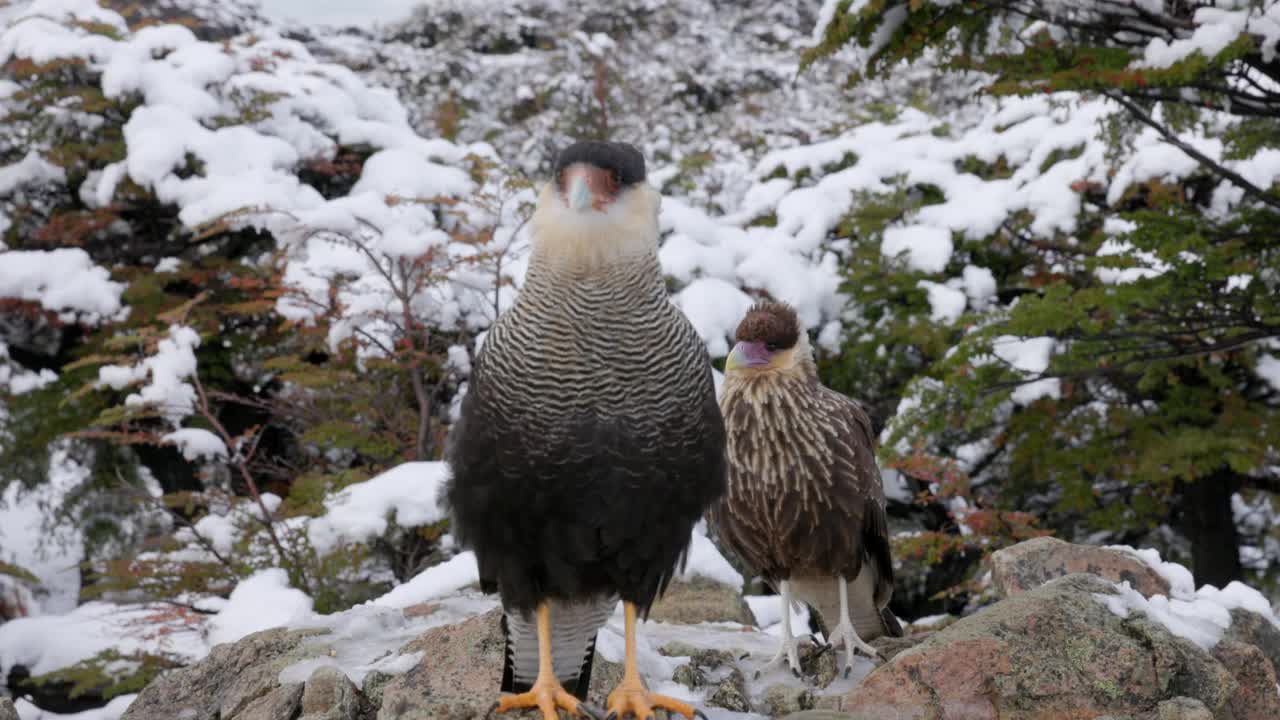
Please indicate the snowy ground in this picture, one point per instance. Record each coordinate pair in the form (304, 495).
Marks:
(369, 636)
(360, 13)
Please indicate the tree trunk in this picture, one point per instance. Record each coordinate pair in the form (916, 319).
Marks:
(1208, 523)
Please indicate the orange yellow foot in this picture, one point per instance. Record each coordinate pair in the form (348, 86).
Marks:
(631, 698)
(549, 697)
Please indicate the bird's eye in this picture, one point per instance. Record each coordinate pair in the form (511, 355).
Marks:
(771, 347)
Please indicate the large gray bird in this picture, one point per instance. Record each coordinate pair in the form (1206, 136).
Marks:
(805, 505)
(590, 441)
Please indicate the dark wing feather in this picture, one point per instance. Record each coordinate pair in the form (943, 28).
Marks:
(857, 478)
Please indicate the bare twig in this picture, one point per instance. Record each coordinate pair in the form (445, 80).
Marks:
(241, 462)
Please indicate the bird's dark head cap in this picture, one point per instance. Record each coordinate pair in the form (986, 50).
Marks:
(773, 324)
(624, 162)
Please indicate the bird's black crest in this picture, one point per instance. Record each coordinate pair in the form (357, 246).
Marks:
(770, 322)
(624, 160)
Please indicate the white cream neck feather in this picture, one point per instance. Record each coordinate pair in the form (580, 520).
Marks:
(584, 240)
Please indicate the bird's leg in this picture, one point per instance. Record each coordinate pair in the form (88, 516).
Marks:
(547, 694)
(789, 649)
(631, 697)
(843, 633)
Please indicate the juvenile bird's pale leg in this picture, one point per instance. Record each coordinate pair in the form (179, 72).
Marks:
(789, 649)
(631, 697)
(547, 694)
(843, 632)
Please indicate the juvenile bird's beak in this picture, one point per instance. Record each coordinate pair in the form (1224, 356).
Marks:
(747, 355)
(579, 195)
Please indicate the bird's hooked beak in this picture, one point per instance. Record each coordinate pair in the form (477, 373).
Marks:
(747, 355)
(578, 195)
(587, 187)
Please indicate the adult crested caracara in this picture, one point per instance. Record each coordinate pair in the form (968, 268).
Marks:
(590, 441)
(805, 505)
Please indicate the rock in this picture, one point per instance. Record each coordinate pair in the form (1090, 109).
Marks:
(461, 670)
(7, 710)
(283, 702)
(1182, 708)
(329, 695)
(605, 676)
(229, 680)
(710, 659)
(891, 646)
(702, 600)
(828, 702)
(372, 687)
(731, 693)
(1032, 563)
(689, 676)
(458, 677)
(1252, 628)
(1256, 696)
(1051, 652)
(677, 648)
(819, 664)
(780, 700)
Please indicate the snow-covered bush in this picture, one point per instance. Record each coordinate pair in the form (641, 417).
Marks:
(1074, 294)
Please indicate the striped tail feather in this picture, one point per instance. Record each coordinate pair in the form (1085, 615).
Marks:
(573, 644)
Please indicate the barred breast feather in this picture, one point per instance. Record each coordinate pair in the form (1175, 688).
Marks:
(590, 441)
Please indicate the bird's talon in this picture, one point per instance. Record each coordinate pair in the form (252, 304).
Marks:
(699, 714)
(612, 716)
(588, 711)
(847, 670)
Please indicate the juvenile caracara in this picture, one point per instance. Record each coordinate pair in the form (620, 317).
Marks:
(590, 441)
(805, 505)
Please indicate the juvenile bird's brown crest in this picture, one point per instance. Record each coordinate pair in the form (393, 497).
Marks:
(772, 323)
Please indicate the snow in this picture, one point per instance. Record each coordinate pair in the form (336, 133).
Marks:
(51, 554)
(928, 249)
(1215, 30)
(407, 494)
(262, 601)
(1199, 615)
(65, 279)
(1029, 392)
(715, 308)
(360, 13)
(979, 284)
(31, 170)
(435, 582)
(1201, 622)
(1268, 368)
(946, 303)
(196, 444)
(705, 561)
(1030, 355)
(167, 390)
(50, 642)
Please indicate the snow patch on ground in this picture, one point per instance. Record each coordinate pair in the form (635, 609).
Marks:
(50, 642)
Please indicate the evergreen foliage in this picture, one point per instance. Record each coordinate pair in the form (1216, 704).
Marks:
(1151, 410)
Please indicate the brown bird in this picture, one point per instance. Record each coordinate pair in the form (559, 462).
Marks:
(805, 506)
